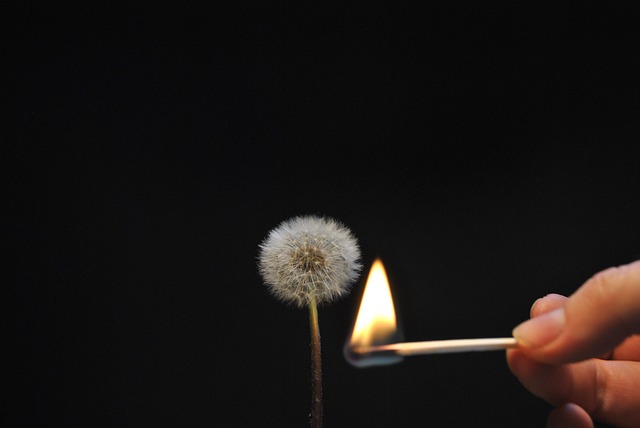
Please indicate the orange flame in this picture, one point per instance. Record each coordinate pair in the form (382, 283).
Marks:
(376, 321)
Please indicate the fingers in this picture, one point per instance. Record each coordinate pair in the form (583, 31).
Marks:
(597, 317)
(607, 390)
(569, 416)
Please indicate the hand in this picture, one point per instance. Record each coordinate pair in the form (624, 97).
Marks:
(582, 353)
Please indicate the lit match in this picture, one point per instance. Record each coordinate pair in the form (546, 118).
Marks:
(375, 340)
(441, 346)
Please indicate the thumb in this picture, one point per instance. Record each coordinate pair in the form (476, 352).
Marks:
(597, 317)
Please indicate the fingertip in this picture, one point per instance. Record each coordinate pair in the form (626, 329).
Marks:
(527, 370)
(546, 304)
(514, 360)
(569, 415)
(545, 381)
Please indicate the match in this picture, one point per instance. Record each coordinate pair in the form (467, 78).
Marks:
(439, 346)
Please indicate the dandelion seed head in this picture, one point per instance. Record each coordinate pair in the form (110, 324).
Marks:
(309, 257)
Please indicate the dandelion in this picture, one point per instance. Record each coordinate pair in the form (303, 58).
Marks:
(309, 258)
(308, 261)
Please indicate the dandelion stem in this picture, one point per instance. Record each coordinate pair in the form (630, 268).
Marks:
(316, 366)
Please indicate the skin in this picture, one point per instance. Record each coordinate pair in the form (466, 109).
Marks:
(582, 353)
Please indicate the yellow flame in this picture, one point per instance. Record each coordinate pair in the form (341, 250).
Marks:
(376, 320)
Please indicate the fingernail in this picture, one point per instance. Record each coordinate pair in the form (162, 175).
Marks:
(541, 330)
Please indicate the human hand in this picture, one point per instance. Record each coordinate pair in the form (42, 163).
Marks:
(582, 353)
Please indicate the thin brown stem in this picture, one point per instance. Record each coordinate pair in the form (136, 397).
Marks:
(316, 366)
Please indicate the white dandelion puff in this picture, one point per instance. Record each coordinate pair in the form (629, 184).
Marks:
(309, 258)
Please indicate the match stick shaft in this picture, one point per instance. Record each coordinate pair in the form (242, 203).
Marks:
(443, 346)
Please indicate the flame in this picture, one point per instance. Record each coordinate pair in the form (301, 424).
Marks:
(376, 320)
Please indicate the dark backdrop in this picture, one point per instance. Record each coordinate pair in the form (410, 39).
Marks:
(488, 154)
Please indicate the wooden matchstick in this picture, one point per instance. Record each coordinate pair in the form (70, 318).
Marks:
(440, 346)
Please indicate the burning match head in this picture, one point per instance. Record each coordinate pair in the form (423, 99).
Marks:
(308, 259)
(363, 357)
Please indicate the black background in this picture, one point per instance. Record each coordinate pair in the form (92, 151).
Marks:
(488, 154)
